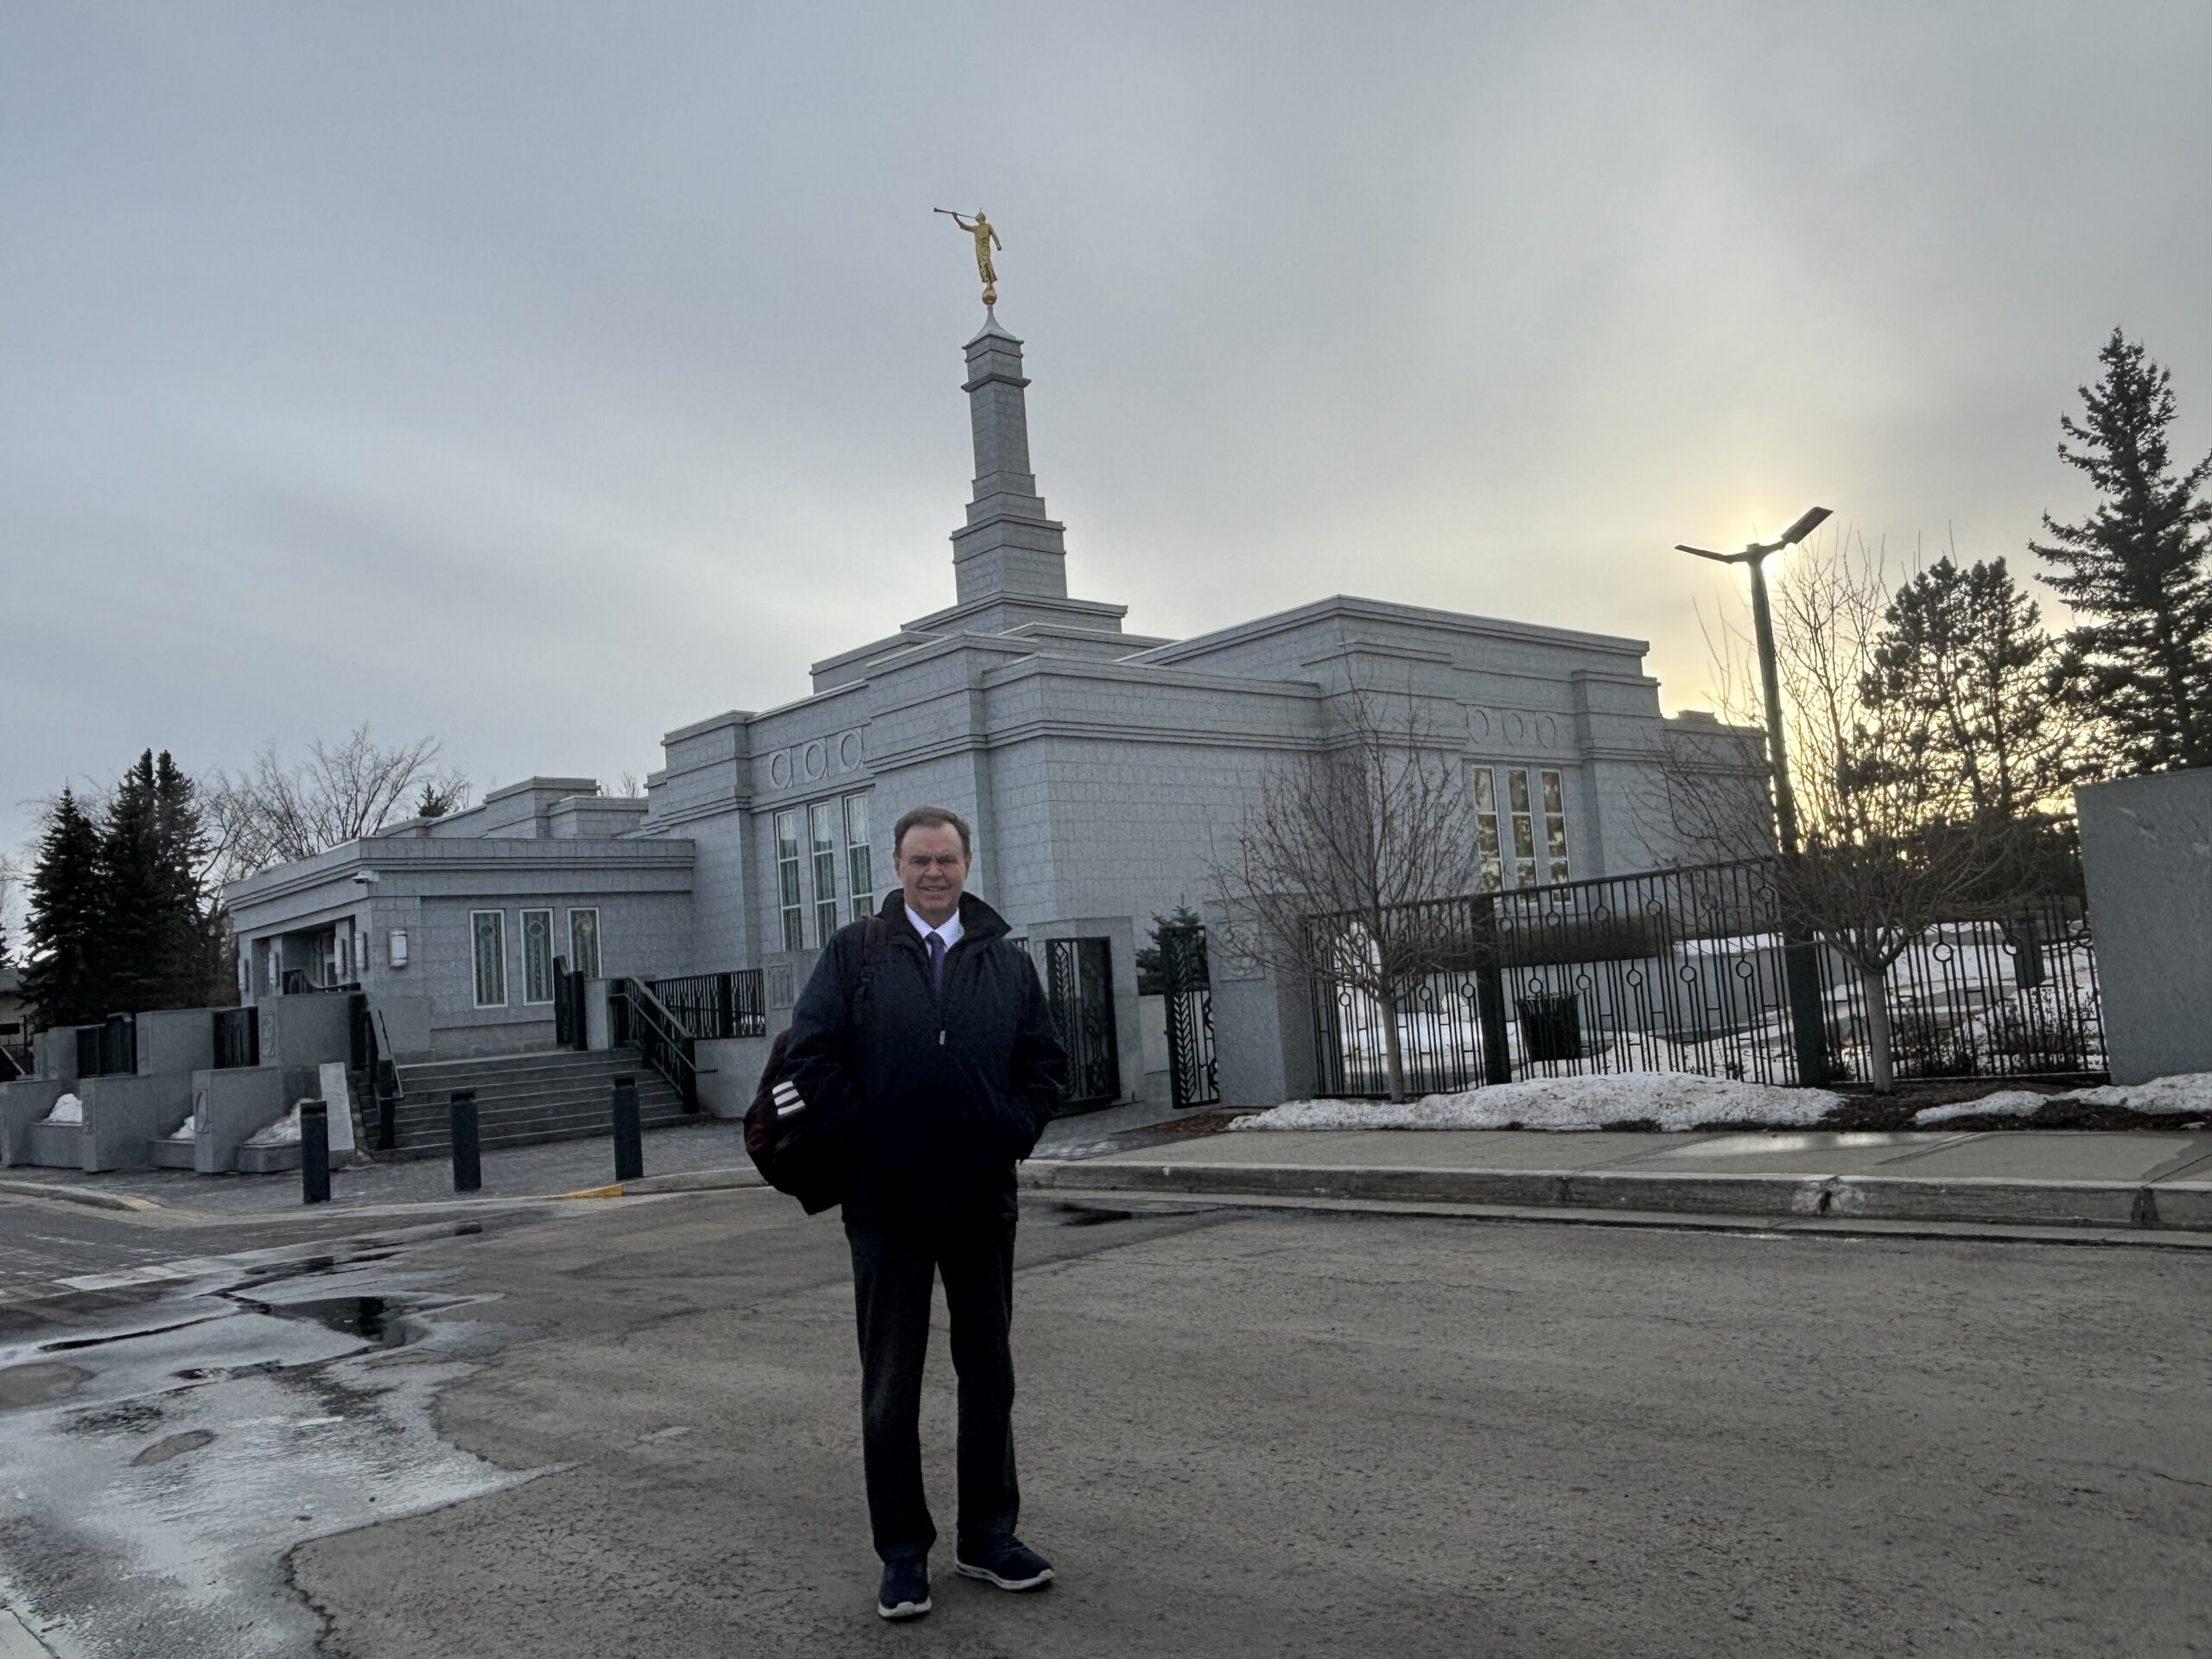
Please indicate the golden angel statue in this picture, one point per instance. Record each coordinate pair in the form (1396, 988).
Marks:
(987, 237)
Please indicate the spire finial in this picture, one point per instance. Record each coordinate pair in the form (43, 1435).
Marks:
(987, 237)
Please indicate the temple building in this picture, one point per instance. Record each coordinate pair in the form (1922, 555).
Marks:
(1101, 769)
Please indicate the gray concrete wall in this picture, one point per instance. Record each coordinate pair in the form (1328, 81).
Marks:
(22, 1104)
(2146, 849)
(305, 1031)
(730, 1071)
(1262, 1024)
(53, 1053)
(229, 1106)
(123, 1115)
(175, 1042)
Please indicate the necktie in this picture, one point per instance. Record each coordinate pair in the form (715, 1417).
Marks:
(937, 961)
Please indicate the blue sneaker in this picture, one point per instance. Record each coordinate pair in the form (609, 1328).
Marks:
(906, 1593)
(1008, 1562)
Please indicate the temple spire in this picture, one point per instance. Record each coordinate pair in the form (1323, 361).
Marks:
(1007, 548)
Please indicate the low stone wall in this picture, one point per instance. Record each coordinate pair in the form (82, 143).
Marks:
(123, 1115)
(175, 1042)
(730, 1071)
(22, 1104)
(229, 1105)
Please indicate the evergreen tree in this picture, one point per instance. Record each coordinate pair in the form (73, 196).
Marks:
(191, 950)
(1964, 659)
(138, 906)
(61, 977)
(2139, 661)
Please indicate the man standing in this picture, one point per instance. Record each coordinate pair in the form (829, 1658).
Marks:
(934, 1056)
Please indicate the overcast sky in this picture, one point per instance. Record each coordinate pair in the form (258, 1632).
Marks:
(544, 376)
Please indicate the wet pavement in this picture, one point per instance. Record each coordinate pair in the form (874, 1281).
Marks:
(161, 1455)
(630, 1427)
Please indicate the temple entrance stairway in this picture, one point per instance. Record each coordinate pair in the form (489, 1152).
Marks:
(524, 1099)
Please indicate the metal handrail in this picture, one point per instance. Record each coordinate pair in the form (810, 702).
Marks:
(663, 1040)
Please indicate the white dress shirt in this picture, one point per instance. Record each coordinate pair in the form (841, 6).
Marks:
(950, 930)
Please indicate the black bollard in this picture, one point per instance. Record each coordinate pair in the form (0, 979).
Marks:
(629, 1138)
(314, 1152)
(468, 1163)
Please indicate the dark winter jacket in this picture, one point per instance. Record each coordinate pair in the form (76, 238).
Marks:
(935, 1097)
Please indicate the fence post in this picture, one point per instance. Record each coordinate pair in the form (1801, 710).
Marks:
(1800, 972)
(314, 1152)
(468, 1162)
(629, 1140)
(1490, 995)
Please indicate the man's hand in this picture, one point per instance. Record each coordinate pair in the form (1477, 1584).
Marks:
(787, 1099)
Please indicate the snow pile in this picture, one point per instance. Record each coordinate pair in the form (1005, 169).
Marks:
(2005, 1103)
(284, 1131)
(188, 1130)
(68, 1110)
(1674, 1100)
(2190, 1094)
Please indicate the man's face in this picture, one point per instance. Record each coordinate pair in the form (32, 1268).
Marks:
(932, 870)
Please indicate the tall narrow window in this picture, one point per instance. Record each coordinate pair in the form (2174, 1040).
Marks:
(1485, 786)
(488, 931)
(583, 941)
(822, 824)
(860, 862)
(537, 956)
(1524, 829)
(788, 897)
(1555, 827)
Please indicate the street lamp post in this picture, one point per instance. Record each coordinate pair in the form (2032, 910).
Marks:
(1754, 556)
(1800, 967)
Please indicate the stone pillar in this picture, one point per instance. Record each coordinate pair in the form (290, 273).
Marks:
(1007, 546)
(2146, 851)
(1262, 1024)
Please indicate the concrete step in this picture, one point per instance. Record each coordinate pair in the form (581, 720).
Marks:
(654, 1088)
(525, 1099)
(534, 1132)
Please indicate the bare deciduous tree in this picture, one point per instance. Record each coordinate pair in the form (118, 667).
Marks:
(1331, 869)
(275, 811)
(1883, 861)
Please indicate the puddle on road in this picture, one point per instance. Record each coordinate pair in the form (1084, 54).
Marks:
(152, 1484)
(40, 1381)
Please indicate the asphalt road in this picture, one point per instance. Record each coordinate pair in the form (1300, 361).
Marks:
(1247, 1432)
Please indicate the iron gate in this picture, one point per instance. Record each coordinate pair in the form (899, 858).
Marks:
(1079, 985)
(1187, 989)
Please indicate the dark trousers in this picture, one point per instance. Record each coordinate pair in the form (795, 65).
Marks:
(894, 1268)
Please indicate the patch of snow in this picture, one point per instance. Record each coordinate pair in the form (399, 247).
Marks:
(2005, 1103)
(187, 1130)
(284, 1131)
(1674, 1100)
(67, 1110)
(2189, 1092)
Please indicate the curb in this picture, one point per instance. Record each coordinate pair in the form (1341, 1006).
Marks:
(91, 1197)
(689, 1181)
(2177, 1206)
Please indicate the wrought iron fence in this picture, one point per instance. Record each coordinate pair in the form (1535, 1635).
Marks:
(237, 1037)
(1079, 987)
(109, 1049)
(734, 1004)
(1186, 987)
(1686, 970)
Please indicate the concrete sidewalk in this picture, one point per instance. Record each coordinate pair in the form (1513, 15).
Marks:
(2017, 1178)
